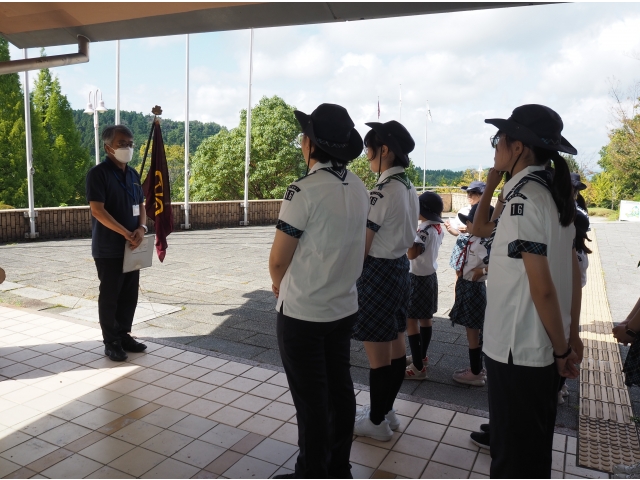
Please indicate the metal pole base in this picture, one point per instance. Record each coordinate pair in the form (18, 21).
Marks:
(185, 227)
(31, 235)
(244, 224)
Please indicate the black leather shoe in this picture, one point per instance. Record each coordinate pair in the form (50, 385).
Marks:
(129, 344)
(484, 427)
(115, 352)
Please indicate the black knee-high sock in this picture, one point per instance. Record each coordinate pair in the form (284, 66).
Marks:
(416, 350)
(475, 359)
(398, 367)
(379, 381)
(425, 339)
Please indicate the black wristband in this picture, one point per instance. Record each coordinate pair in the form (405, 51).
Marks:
(567, 353)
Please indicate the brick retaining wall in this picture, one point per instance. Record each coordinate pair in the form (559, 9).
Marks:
(75, 222)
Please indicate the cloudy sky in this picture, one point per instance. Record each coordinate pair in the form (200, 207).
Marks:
(469, 66)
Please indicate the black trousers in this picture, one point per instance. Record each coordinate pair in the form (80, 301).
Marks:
(316, 360)
(118, 298)
(523, 402)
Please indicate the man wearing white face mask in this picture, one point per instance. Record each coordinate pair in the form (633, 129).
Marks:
(115, 195)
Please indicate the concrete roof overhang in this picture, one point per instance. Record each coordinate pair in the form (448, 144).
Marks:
(43, 24)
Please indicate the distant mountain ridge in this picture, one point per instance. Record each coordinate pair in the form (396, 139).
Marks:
(140, 125)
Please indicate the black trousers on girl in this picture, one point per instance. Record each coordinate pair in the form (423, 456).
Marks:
(523, 402)
(118, 298)
(316, 360)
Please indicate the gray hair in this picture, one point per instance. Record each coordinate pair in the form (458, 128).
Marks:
(109, 133)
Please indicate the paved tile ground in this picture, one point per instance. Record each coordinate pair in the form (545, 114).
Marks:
(219, 280)
(68, 412)
(620, 254)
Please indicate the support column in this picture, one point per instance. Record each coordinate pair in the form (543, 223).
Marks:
(247, 155)
(186, 225)
(30, 170)
(117, 122)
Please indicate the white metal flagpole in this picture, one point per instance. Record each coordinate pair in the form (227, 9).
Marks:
(247, 156)
(426, 123)
(400, 119)
(117, 82)
(30, 170)
(187, 207)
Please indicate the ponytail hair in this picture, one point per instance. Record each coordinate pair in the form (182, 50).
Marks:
(561, 189)
(581, 202)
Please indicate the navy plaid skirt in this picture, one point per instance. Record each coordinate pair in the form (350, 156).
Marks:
(471, 302)
(424, 296)
(632, 365)
(383, 297)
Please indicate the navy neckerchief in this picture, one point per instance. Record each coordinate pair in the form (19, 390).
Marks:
(401, 177)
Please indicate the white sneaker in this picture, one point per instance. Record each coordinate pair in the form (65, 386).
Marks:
(364, 427)
(394, 421)
(392, 418)
(560, 399)
(565, 392)
(468, 378)
(412, 373)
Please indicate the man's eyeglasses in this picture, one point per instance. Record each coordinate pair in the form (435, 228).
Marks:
(495, 140)
(125, 145)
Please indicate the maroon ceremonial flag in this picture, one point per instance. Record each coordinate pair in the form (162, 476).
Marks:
(157, 192)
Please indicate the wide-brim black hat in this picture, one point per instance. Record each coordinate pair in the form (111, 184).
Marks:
(535, 126)
(396, 137)
(576, 182)
(472, 213)
(330, 128)
(431, 206)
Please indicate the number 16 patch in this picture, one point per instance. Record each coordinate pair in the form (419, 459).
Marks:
(517, 209)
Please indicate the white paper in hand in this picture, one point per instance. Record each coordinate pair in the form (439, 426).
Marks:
(140, 257)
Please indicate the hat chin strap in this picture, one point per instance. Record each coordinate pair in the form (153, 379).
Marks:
(516, 162)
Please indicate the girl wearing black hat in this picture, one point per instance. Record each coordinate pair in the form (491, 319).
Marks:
(533, 293)
(315, 261)
(384, 287)
(423, 302)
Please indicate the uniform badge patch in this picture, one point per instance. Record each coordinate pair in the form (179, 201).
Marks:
(374, 196)
(517, 209)
(291, 190)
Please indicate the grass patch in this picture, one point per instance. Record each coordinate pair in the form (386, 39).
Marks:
(604, 212)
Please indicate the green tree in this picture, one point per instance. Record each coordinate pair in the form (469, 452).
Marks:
(276, 160)
(69, 161)
(13, 169)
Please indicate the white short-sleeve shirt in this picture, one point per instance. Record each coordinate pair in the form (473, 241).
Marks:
(583, 263)
(475, 255)
(429, 235)
(529, 223)
(327, 212)
(393, 214)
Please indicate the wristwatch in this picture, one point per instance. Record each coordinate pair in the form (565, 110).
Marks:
(146, 229)
(631, 333)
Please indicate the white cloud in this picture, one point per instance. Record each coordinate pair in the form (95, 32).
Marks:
(468, 65)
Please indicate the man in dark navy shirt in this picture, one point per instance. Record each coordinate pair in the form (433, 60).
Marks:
(118, 221)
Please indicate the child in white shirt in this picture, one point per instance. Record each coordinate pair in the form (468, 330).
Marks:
(423, 256)
(470, 303)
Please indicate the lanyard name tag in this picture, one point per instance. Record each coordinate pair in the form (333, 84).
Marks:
(136, 210)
